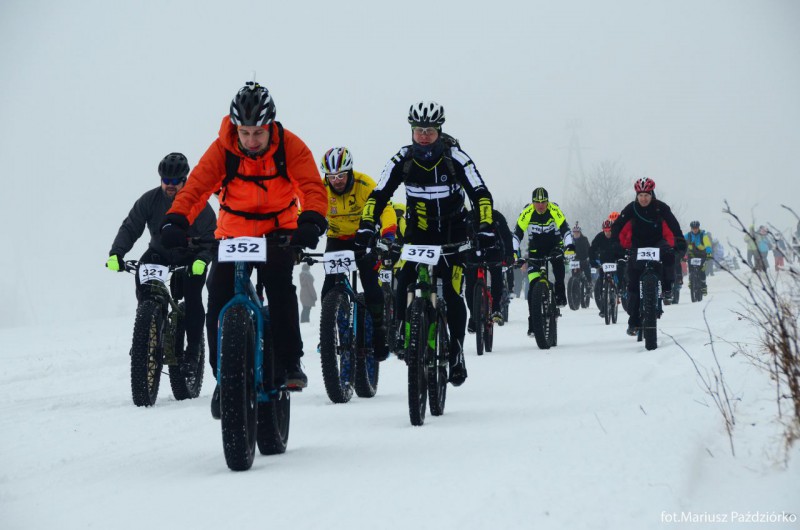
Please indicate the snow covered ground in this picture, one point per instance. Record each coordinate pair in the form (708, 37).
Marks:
(596, 433)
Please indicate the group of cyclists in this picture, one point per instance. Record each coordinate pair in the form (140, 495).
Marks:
(268, 185)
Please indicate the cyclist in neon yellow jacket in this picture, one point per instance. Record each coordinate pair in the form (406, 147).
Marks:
(348, 191)
(547, 229)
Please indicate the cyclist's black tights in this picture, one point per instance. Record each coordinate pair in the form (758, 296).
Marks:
(281, 296)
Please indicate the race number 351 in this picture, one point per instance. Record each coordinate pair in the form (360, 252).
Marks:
(648, 254)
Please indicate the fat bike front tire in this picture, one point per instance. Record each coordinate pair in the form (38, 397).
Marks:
(649, 309)
(539, 305)
(416, 357)
(574, 294)
(146, 353)
(337, 346)
(238, 400)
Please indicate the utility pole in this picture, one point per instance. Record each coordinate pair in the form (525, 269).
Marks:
(573, 151)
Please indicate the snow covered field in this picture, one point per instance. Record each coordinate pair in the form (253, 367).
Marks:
(596, 433)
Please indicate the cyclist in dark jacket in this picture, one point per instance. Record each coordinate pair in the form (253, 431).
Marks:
(438, 178)
(149, 211)
(502, 252)
(582, 251)
(605, 249)
(648, 222)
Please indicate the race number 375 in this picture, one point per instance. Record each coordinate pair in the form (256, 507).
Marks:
(428, 254)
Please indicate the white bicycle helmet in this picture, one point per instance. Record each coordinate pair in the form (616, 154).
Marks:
(336, 160)
(426, 113)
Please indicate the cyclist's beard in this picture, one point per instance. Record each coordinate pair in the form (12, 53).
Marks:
(253, 154)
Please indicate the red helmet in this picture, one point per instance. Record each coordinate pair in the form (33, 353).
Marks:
(613, 216)
(644, 185)
(607, 224)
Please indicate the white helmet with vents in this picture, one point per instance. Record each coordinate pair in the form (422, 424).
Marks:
(336, 160)
(426, 113)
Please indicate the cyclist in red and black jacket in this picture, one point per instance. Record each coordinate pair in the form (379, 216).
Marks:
(647, 222)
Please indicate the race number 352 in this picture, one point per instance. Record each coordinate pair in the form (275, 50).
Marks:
(243, 249)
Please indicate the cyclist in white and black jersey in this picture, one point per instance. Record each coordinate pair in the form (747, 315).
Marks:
(438, 178)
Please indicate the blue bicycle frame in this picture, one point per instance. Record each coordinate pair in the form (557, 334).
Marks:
(245, 294)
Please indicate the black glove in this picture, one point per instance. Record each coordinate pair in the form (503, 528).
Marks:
(570, 248)
(485, 235)
(174, 230)
(310, 226)
(365, 234)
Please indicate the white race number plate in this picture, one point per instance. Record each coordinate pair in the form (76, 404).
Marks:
(150, 271)
(243, 249)
(339, 262)
(428, 254)
(648, 254)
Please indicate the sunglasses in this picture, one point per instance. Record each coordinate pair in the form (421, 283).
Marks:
(336, 177)
(424, 131)
(172, 182)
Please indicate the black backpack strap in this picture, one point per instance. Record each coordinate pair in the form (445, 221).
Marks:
(254, 216)
(280, 153)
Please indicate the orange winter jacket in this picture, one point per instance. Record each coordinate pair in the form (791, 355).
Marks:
(281, 196)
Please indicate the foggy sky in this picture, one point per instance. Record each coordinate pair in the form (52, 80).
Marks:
(702, 96)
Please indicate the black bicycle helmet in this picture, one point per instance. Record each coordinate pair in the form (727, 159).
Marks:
(252, 105)
(173, 166)
(539, 195)
(694, 224)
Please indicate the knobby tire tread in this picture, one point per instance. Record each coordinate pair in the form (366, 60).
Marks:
(478, 301)
(437, 369)
(537, 301)
(367, 368)
(146, 357)
(649, 309)
(238, 405)
(184, 387)
(331, 344)
(415, 357)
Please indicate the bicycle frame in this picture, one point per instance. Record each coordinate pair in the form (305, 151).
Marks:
(245, 294)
